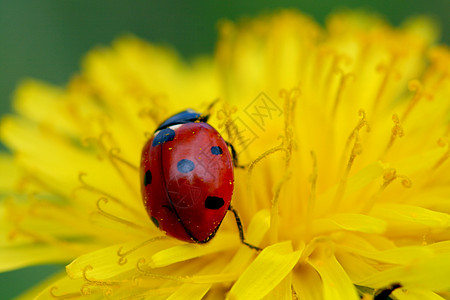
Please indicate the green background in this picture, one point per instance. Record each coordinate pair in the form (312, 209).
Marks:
(46, 39)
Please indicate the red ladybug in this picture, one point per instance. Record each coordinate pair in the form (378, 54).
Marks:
(187, 178)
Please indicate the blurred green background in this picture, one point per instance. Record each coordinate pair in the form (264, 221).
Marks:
(46, 39)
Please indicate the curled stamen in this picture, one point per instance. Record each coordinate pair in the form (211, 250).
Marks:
(88, 187)
(388, 177)
(343, 81)
(225, 113)
(64, 296)
(335, 69)
(361, 123)
(231, 128)
(140, 267)
(153, 107)
(442, 142)
(104, 137)
(122, 254)
(114, 158)
(293, 93)
(108, 292)
(312, 195)
(397, 131)
(267, 153)
(115, 155)
(85, 289)
(88, 140)
(105, 214)
(406, 182)
(45, 239)
(214, 278)
(416, 87)
(290, 100)
(274, 217)
(87, 268)
(388, 69)
(136, 280)
(286, 140)
(354, 152)
(96, 282)
(112, 153)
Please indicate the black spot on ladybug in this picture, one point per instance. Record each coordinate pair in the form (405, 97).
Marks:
(147, 178)
(216, 150)
(212, 202)
(185, 166)
(163, 136)
(155, 221)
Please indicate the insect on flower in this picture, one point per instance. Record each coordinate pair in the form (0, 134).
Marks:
(187, 178)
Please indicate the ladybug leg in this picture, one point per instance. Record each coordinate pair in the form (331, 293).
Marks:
(235, 156)
(241, 230)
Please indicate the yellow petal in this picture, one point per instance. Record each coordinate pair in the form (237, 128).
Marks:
(350, 222)
(190, 291)
(356, 268)
(256, 231)
(336, 283)
(407, 219)
(32, 254)
(67, 288)
(269, 268)
(9, 174)
(307, 282)
(36, 290)
(41, 102)
(415, 294)
(221, 242)
(354, 184)
(109, 262)
(283, 291)
(431, 273)
(400, 255)
(201, 285)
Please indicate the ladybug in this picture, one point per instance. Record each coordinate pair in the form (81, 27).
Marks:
(187, 178)
(383, 294)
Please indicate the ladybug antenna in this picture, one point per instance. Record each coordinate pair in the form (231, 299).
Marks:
(204, 117)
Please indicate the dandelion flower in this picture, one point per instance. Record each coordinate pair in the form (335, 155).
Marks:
(344, 131)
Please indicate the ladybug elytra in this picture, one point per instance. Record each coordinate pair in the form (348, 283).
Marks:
(187, 178)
